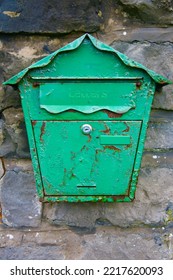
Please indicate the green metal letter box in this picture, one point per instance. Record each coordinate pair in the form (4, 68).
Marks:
(86, 109)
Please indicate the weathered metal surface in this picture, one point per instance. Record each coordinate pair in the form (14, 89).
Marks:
(88, 96)
(73, 163)
(86, 108)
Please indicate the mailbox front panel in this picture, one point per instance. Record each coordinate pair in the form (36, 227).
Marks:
(75, 162)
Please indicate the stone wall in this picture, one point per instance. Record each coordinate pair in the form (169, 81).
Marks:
(142, 229)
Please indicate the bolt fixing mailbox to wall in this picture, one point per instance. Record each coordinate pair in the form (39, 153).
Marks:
(86, 109)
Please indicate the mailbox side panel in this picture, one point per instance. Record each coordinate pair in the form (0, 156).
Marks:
(25, 89)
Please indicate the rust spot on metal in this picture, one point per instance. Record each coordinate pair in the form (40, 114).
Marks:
(127, 128)
(111, 147)
(112, 114)
(97, 152)
(118, 197)
(35, 84)
(64, 178)
(107, 129)
(128, 146)
(34, 123)
(138, 85)
(71, 111)
(89, 138)
(83, 148)
(42, 131)
(73, 155)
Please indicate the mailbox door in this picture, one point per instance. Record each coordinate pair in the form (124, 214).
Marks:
(74, 163)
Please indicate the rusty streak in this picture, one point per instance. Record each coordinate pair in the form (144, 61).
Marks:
(35, 84)
(64, 178)
(111, 147)
(42, 131)
(112, 114)
(34, 123)
(127, 128)
(107, 129)
(89, 137)
(83, 148)
(71, 111)
(128, 146)
(138, 85)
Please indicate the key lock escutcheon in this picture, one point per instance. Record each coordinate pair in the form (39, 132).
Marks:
(86, 129)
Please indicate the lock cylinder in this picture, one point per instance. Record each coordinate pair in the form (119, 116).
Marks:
(86, 129)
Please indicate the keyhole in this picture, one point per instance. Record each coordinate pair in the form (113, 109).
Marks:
(86, 128)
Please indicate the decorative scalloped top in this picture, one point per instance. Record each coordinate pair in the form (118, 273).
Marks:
(159, 79)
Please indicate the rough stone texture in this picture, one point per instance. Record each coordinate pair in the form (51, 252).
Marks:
(13, 134)
(86, 16)
(15, 130)
(20, 205)
(149, 206)
(8, 97)
(158, 159)
(136, 33)
(148, 53)
(7, 146)
(150, 11)
(2, 171)
(1, 132)
(23, 165)
(10, 239)
(160, 130)
(61, 16)
(159, 136)
(106, 243)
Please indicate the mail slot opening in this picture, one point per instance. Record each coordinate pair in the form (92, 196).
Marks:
(88, 187)
(88, 95)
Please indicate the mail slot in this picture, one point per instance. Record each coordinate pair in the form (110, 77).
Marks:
(86, 109)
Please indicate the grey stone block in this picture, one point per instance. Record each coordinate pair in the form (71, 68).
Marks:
(15, 138)
(159, 136)
(157, 57)
(106, 243)
(20, 205)
(136, 33)
(150, 11)
(51, 17)
(157, 159)
(7, 147)
(10, 239)
(154, 193)
(2, 171)
(31, 252)
(72, 214)
(8, 97)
